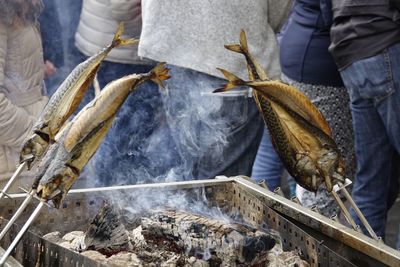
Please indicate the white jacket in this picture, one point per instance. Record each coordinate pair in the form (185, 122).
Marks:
(192, 33)
(21, 100)
(97, 25)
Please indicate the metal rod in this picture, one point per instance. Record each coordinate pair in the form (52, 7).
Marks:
(21, 233)
(344, 210)
(315, 209)
(263, 184)
(358, 212)
(334, 217)
(295, 200)
(21, 208)
(279, 191)
(12, 179)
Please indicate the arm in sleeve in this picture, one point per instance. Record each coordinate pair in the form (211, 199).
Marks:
(15, 122)
(278, 11)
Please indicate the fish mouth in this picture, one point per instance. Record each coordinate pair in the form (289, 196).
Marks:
(47, 194)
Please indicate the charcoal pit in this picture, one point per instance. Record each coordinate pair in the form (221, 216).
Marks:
(320, 241)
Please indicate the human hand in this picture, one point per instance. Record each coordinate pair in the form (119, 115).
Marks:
(49, 69)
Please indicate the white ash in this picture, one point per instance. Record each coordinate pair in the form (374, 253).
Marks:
(146, 252)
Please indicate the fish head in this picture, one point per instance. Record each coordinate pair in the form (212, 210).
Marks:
(331, 166)
(56, 183)
(33, 147)
(307, 173)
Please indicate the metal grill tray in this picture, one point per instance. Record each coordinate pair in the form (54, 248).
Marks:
(322, 241)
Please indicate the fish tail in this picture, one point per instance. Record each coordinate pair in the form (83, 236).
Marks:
(119, 41)
(243, 42)
(159, 74)
(233, 81)
(242, 47)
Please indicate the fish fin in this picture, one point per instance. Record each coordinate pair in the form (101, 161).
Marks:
(243, 42)
(118, 41)
(328, 183)
(159, 74)
(234, 47)
(233, 81)
(242, 47)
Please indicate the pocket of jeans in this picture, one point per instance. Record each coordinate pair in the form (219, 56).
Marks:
(372, 77)
(234, 111)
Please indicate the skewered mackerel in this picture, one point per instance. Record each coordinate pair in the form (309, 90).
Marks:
(82, 136)
(66, 100)
(299, 132)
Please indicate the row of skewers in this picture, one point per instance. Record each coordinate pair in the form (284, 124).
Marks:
(60, 148)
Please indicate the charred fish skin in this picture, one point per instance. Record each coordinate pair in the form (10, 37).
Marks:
(66, 100)
(64, 169)
(81, 139)
(302, 169)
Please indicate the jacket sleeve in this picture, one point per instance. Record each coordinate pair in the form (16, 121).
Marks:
(278, 11)
(15, 122)
(125, 10)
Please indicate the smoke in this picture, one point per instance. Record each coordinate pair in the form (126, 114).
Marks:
(172, 134)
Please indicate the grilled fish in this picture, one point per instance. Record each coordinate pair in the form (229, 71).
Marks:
(83, 135)
(281, 92)
(66, 100)
(299, 132)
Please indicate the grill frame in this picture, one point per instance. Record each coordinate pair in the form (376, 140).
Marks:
(323, 242)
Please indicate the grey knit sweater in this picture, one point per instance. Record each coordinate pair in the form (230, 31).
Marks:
(192, 33)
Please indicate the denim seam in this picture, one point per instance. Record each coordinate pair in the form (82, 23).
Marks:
(389, 75)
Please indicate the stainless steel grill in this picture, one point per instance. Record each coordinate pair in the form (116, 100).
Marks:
(322, 241)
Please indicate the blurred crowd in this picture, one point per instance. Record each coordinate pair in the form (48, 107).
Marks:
(344, 55)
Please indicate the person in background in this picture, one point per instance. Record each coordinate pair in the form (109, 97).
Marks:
(21, 81)
(53, 53)
(366, 47)
(307, 65)
(213, 134)
(135, 120)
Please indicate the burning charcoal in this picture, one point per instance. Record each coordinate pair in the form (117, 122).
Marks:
(215, 241)
(94, 255)
(287, 259)
(123, 259)
(106, 233)
(69, 237)
(54, 237)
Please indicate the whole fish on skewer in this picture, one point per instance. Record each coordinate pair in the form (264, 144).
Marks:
(66, 100)
(82, 136)
(299, 132)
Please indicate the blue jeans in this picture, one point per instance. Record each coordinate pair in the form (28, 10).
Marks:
(374, 88)
(268, 166)
(213, 135)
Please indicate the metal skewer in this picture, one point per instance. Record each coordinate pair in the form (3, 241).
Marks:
(12, 179)
(343, 208)
(357, 211)
(21, 208)
(21, 233)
